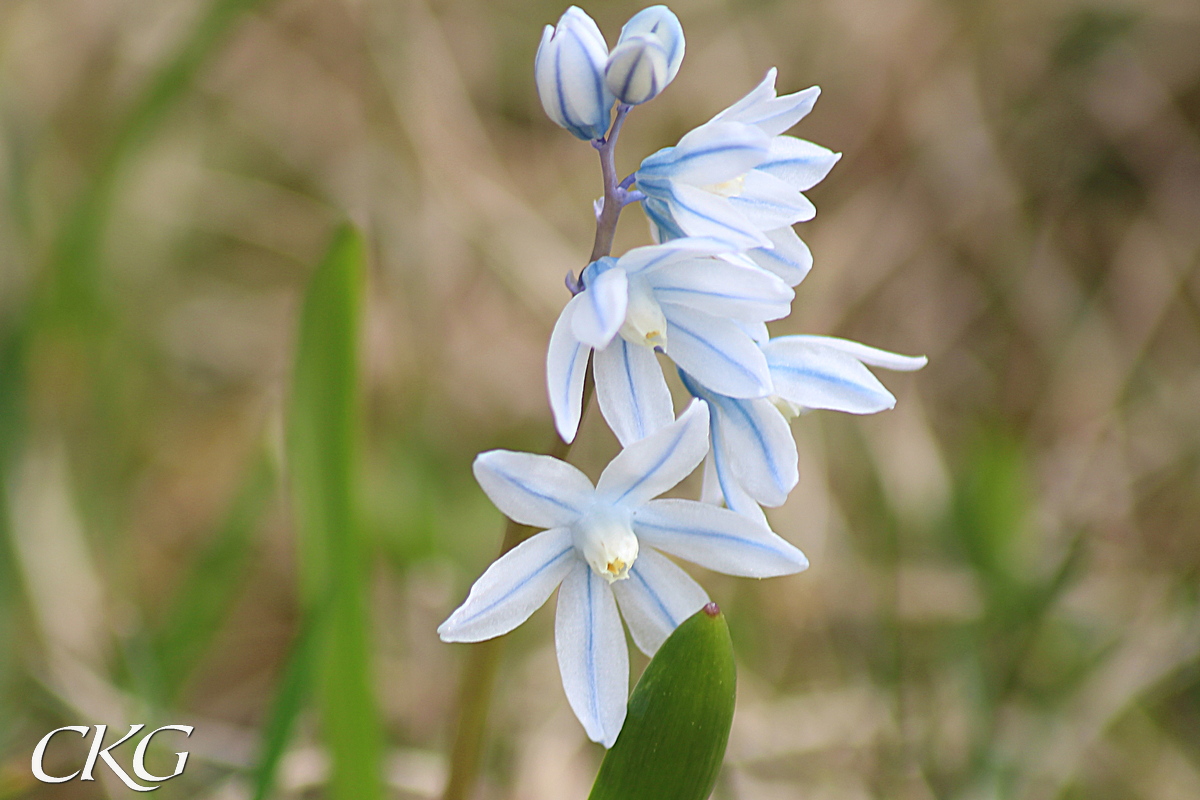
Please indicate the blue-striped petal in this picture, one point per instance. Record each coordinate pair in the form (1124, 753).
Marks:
(566, 367)
(715, 286)
(651, 466)
(756, 442)
(770, 114)
(790, 258)
(799, 163)
(770, 203)
(712, 153)
(699, 212)
(871, 356)
(716, 351)
(592, 655)
(716, 538)
(655, 598)
(814, 375)
(536, 490)
(596, 320)
(512, 588)
(631, 390)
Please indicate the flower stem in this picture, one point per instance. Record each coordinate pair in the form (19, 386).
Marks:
(483, 660)
(606, 223)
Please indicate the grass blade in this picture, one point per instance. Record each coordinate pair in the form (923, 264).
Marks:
(322, 443)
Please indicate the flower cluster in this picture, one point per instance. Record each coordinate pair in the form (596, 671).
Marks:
(721, 206)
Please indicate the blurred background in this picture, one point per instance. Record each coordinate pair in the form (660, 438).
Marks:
(1003, 600)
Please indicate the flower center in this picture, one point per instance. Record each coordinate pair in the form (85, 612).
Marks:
(730, 188)
(607, 542)
(644, 323)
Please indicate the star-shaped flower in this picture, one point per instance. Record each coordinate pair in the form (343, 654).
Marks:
(753, 458)
(689, 298)
(737, 178)
(602, 544)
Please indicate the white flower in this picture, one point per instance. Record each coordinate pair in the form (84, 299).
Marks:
(602, 544)
(753, 456)
(647, 55)
(686, 298)
(569, 70)
(737, 178)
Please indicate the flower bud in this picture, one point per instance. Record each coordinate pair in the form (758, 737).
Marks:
(637, 69)
(661, 22)
(569, 70)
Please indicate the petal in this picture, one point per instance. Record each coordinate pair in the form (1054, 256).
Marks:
(868, 355)
(744, 293)
(815, 375)
(533, 490)
(770, 203)
(799, 163)
(674, 251)
(710, 486)
(598, 317)
(757, 442)
(657, 597)
(699, 212)
(566, 366)
(753, 450)
(770, 114)
(512, 588)
(632, 392)
(716, 352)
(649, 467)
(713, 153)
(755, 330)
(716, 538)
(592, 656)
(790, 258)
(762, 93)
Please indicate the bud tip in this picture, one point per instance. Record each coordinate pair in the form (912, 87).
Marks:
(712, 609)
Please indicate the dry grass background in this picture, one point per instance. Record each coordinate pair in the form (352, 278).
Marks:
(1003, 598)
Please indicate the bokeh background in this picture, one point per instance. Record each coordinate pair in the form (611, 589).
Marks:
(1003, 594)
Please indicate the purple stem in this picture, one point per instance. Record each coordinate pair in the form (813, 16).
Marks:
(606, 223)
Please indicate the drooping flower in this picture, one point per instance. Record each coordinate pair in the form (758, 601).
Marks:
(569, 70)
(688, 298)
(647, 56)
(752, 462)
(737, 178)
(603, 545)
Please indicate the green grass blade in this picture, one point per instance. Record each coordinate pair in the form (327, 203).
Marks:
(679, 718)
(295, 687)
(322, 443)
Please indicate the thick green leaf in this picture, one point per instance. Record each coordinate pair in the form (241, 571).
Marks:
(323, 456)
(679, 718)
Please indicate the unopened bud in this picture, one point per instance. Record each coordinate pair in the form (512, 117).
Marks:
(569, 70)
(660, 22)
(637, 69)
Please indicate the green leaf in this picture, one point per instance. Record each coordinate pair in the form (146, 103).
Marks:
(323, 457)
(679, 718)
(290, 696)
